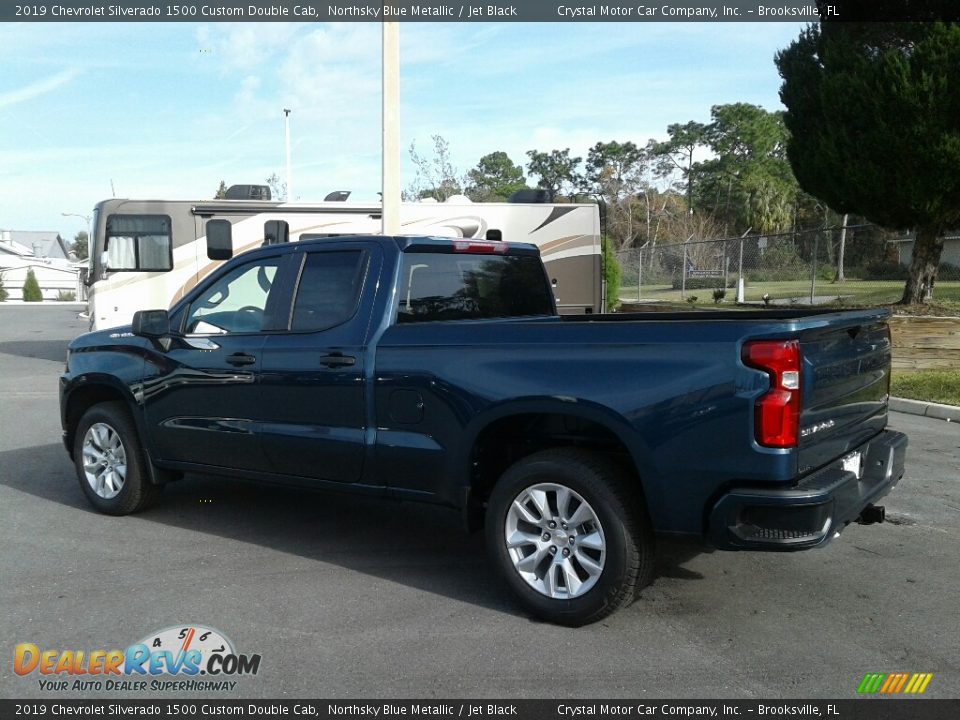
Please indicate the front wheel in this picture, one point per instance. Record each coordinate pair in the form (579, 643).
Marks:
(569, 532)
(110, 461)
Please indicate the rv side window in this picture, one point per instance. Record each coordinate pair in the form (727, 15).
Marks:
(139, 242)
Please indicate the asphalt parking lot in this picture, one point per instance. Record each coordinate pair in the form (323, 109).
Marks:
(350, 597)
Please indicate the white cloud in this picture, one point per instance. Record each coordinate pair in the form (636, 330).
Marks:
(38, 88)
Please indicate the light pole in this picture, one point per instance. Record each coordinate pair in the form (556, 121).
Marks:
(81, 278)
(286, 134)
(89, 233)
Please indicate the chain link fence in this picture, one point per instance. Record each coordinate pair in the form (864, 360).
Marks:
(799, 268)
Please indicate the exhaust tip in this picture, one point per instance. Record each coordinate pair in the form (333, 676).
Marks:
(872, 514)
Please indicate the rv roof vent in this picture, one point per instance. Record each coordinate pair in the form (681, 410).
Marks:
(248, 192)
(337, 196)
(458, 199)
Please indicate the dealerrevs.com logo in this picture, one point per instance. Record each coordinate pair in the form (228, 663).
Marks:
(178, 658)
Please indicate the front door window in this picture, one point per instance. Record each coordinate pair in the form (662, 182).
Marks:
(236, 303)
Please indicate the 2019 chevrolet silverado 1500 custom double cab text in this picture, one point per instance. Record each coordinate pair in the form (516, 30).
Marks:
(437, 370)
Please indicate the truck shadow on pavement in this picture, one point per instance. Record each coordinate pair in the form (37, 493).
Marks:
(55, 350)
(413, 544)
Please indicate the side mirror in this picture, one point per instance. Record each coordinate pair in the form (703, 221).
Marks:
(276, 232)
(104, 264)
(151, 323)
(219, 240)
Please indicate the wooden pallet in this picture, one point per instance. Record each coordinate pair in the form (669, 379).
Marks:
(925, 343)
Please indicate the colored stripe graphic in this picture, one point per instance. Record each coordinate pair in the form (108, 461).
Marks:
(894, 683)
(901, 682)
(871, 682)
(889, 683)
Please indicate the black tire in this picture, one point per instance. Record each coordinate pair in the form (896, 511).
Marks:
(618, 506)
(136, 492)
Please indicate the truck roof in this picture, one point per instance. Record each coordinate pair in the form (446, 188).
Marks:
(425, 243)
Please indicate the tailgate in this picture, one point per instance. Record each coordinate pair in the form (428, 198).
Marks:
(845, 385)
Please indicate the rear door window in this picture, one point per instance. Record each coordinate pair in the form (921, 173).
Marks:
(328, 291)
(437, 286)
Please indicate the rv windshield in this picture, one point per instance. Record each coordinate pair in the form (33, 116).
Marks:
(138, 242)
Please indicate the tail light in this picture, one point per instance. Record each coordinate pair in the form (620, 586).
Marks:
(480, 246)
(777, 412)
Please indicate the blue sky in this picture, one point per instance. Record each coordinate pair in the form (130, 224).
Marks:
(169, 109)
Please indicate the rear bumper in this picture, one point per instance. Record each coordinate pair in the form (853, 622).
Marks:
(814, 510)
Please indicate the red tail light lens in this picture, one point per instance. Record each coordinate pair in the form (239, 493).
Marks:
(777, 413)
(480, 246)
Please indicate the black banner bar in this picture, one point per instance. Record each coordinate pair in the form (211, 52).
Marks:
(440, 11)
(873, 708)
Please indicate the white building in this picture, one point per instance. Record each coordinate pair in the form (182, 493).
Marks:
(47, 255)
(951, 248)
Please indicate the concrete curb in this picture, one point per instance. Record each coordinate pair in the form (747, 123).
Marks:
(950, 413)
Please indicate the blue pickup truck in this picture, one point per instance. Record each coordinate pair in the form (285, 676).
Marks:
(432, 370)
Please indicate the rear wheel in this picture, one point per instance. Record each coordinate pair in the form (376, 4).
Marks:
(569, 532)
(110, 461)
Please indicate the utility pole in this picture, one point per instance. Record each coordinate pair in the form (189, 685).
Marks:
(390, 197)
(842, 249)
(286, 133)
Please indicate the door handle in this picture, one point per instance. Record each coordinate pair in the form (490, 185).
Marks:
(240, 359)
(337, 360)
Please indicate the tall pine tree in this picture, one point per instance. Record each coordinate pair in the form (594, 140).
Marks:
(874, 115)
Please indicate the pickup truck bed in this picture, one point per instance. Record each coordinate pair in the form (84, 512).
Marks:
(670, 391)
(448, 378)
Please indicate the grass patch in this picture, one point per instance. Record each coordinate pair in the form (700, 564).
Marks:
(940, 386)
(852, 293)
